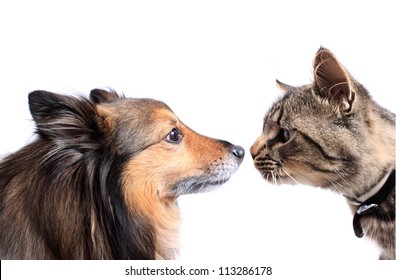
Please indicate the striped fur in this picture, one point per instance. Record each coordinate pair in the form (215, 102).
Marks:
(332, 134)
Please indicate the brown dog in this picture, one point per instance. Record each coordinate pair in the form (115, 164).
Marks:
(102, 179)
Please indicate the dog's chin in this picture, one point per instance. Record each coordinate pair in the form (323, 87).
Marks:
(216, 175)
(196, 185)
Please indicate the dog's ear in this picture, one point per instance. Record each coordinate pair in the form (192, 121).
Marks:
(65, 117)
(98, 96)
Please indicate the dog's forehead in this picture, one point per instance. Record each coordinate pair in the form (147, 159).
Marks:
(141, 104)
(165, 115)
(137, 123)
(157, 111)
(137, 108)
(152, 113)
(129, 115)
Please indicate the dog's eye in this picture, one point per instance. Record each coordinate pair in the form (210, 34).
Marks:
(174, 136)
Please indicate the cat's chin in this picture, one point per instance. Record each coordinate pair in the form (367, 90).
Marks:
(277, 179)
(287, 180)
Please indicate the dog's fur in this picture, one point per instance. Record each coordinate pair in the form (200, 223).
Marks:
(102, 179)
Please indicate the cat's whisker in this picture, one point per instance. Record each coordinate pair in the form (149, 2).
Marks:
(291, 177)
(340, 174)
(273, 177)
(266, 176)
(280, 179)
(345, 190)
(335, 186)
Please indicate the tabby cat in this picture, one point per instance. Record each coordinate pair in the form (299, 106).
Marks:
(332, 134)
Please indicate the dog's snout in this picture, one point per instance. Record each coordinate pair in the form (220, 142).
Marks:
(238, 151)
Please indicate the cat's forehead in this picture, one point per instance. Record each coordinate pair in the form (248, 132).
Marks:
(275, 112)
(299, 103)
(289, 102)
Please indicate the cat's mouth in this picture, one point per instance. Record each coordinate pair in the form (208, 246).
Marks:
(270, 169)
(277, 173)
(273, 171)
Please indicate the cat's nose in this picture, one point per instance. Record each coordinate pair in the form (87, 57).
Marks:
(238, 151)
(254, 151)
(258, 146)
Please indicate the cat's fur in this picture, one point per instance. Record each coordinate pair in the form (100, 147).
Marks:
(332, 134)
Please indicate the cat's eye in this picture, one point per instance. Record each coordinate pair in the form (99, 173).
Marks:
(286, 134)
(175, 136)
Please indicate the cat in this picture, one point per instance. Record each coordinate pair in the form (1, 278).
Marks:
(333, 135)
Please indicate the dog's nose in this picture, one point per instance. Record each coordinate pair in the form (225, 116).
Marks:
(238, 151)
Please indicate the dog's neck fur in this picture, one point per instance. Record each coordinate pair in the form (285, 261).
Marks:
(167, 229)
(159, 213)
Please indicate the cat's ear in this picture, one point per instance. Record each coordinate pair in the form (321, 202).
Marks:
(284, 88)
(333, 81)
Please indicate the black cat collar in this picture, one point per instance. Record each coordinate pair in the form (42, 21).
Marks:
(371, 205)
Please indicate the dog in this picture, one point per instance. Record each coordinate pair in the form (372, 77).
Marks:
(101, 180)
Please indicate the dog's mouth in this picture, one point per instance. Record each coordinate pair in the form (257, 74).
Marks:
(195, 185)
(215, 175)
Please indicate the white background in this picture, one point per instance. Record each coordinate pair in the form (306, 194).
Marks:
(215, 64)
